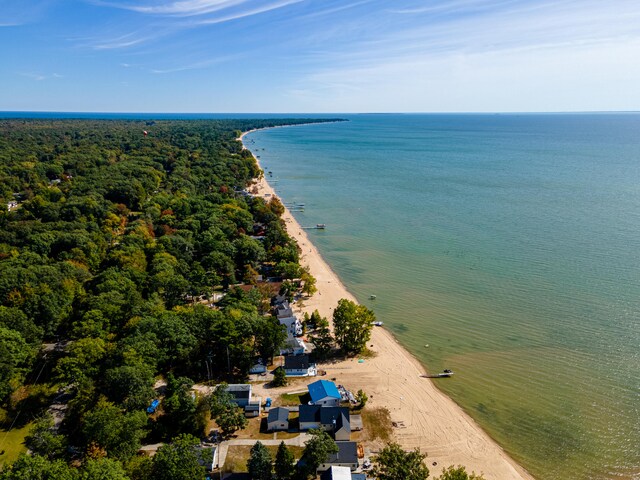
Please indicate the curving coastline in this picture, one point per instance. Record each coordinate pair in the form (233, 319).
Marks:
(392, 378)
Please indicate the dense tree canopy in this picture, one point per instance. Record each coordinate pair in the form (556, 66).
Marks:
(111, 241)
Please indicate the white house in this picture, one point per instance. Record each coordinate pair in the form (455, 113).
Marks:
(278, 419)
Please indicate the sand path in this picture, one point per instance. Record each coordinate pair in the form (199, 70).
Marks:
(434, 422)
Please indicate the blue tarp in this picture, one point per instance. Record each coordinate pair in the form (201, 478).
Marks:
(152, 408)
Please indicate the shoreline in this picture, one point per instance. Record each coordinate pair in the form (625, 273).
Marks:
(392, 379)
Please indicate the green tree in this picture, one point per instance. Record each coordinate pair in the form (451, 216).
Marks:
(393, 463)
(288, 270)
(279, 377)
(117, 432)
(352, 325)
(362, 398)
(103, 469)
(179, 460)
(308, 284)
(321, 338)
(227, 415)
(180, 405)
(259, 464)
(35, 467)
(15, 355)
(270, 336)
(139, 467)
(130, 385)
(43, 439)
(458, 473)
(284, 467)
(317, 451)
(83, 360)
(231, 421)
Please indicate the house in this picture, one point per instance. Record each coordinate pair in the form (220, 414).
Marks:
(258, 368)
(293, 346)
(240, 393)
(299, 366)
(253, 408)
(325, 393)
(332, 419)
(278, 419)
(284, 310)
(292, 325)
(342, 473)
(346, 456)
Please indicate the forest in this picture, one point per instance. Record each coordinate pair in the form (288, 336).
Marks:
(111, 235)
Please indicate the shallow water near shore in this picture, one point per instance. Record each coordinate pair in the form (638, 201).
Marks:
(504, 247)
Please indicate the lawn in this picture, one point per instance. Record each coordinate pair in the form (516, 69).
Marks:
(12, 443)
(238, 455)
(257, 428)
(290, 399)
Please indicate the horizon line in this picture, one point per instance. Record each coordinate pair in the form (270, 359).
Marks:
(514, 112)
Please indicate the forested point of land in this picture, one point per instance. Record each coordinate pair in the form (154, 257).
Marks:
(111, 233)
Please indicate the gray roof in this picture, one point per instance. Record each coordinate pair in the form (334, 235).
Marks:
(347, 453)
(240, 390)
(278, 414)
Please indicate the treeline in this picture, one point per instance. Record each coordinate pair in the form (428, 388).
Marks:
(110, 233)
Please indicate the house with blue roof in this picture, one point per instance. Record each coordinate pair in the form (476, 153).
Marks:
(324, 393)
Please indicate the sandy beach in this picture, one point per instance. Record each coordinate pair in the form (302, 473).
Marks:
(392, 379)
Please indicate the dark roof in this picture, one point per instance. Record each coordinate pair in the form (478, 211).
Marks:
(358, 476)
(325, 415)
(339, 414)
(347, 453)
(239, 391)
(296, 362)
(278, 414)
(309, 413)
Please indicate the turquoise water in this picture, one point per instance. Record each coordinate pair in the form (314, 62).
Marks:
(510, 244)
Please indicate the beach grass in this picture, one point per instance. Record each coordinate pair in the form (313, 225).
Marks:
(377, 424)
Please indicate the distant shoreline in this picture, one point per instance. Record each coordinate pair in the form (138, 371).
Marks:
(392, 378)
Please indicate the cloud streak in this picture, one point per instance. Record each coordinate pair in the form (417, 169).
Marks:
(229, 9)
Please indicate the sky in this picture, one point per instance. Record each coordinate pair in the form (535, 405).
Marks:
(216, 56)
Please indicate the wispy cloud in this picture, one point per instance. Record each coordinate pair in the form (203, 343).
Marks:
(194, 65)
(38, 77)
(231, 9)
(248, 13)
(16, 13)
(123, 41)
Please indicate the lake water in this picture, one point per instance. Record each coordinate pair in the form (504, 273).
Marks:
(510, 245)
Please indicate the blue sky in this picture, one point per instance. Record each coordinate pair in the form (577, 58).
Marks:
(319, 55)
